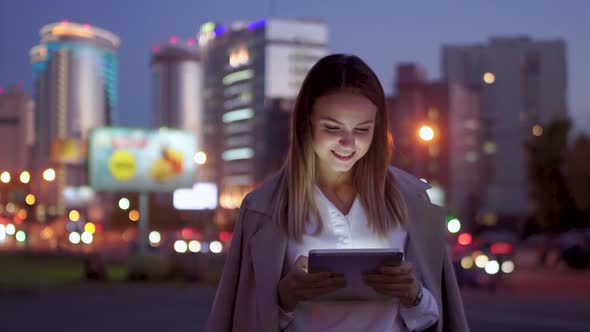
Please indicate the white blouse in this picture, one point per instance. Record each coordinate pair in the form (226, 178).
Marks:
(352, 232)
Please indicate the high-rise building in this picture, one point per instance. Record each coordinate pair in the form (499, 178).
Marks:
(436, 133)
(252, 71)
(16, 130)
(75, 83)
(522, 87)
(177, 85)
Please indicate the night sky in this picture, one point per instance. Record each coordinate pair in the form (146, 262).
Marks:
(383, 33)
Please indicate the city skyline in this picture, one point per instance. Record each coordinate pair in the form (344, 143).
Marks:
(422, 32)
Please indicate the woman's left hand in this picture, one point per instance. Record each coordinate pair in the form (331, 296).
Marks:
(395, 281)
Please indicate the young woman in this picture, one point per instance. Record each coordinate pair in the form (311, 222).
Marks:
(337, 190)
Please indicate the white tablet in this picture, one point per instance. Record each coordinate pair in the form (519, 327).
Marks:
(353, 263)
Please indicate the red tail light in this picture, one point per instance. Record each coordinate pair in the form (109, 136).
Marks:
(501, 248)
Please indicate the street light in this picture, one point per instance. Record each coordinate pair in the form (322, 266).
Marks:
(200, 158)
(49, 174)
(25, 177)
(5, 177)
(426, 133)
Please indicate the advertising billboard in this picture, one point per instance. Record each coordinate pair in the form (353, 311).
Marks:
(141, 160)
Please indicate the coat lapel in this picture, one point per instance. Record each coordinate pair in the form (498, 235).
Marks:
(267, 248)
(424, 239)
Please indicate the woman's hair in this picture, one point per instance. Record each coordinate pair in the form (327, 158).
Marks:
(375, 185)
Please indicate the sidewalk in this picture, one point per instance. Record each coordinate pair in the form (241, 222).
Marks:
(545, 281)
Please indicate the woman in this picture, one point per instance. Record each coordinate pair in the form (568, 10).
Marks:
(336, 190)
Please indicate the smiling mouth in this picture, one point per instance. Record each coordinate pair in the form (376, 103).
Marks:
(343, 156)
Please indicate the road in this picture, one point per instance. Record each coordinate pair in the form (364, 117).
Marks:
(183, 307)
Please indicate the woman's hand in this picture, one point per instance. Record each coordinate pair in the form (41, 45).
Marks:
(298, 285)
(396, 281)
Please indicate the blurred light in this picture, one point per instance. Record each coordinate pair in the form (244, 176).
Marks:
(225, 236)
(47, 233)
(200, 158)
(87, 26)
(256, 24)
(489, 147)
(537, 130)
(239, 57)
(424, 180)
(22, 214)
(74, 215)
(464, 239)
(489, 78)
(507, 267)
(216, 247)
(237, 115)
(501, 248)
(426, 133)
(49, 174)
(237, 154)
(205, 247)
(155, 237)
(173, 40)
(10, 208)
(454, 225)
(74, 237)
(124, 203)
(87, 238)
(134, 215)
(156, 49)
(90, 228)
(481, 261)
(20, 236)
(2, 233)
(492, 267)
(10, 229)
(30, 199)
(191, 42)
(467, 262)
(202, 196)
(25, 177)
(194, 246)
(180, 246)
(5, 177)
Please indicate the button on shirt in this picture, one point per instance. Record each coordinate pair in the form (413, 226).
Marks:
(353, 232)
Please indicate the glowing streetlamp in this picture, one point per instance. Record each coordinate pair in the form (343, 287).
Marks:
(426, 133)
(49, 174)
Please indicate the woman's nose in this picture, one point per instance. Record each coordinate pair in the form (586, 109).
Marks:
(347, 139)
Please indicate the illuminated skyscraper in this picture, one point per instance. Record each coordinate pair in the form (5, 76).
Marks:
(252, 73)
(75, 78)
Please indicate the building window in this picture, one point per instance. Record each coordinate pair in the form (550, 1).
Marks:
(238, 76)
(237, 115)
(238, 154)
(433, 113)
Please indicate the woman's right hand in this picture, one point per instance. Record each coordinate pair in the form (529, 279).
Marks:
(298, 285)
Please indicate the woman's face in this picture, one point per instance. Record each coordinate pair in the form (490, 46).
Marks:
(342, 125)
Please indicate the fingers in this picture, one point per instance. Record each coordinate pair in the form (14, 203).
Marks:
(380, 278)
(303, 293)
(301, 262)
(405, 268)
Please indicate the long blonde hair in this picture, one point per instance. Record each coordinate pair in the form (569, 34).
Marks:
(375, 185)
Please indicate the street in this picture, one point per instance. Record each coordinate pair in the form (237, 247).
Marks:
(183, 307)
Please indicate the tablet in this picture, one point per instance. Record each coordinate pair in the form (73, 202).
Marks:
(353, 263)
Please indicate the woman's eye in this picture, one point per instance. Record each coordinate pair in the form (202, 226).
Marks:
(362, 130)
(330, 128)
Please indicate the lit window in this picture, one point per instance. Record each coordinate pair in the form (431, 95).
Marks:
(238, 76)
(238, 154)
(489, 147)
(237, 115)
(433, 113)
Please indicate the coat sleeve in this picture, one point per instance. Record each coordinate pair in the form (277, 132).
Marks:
(453, 312)
(222, 311)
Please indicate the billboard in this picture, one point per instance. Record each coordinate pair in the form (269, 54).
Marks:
(68, 151)
(141, 160)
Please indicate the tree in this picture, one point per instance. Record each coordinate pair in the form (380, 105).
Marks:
(577, 173)
(555, 208)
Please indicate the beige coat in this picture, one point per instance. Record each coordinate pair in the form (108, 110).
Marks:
(247, 295)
